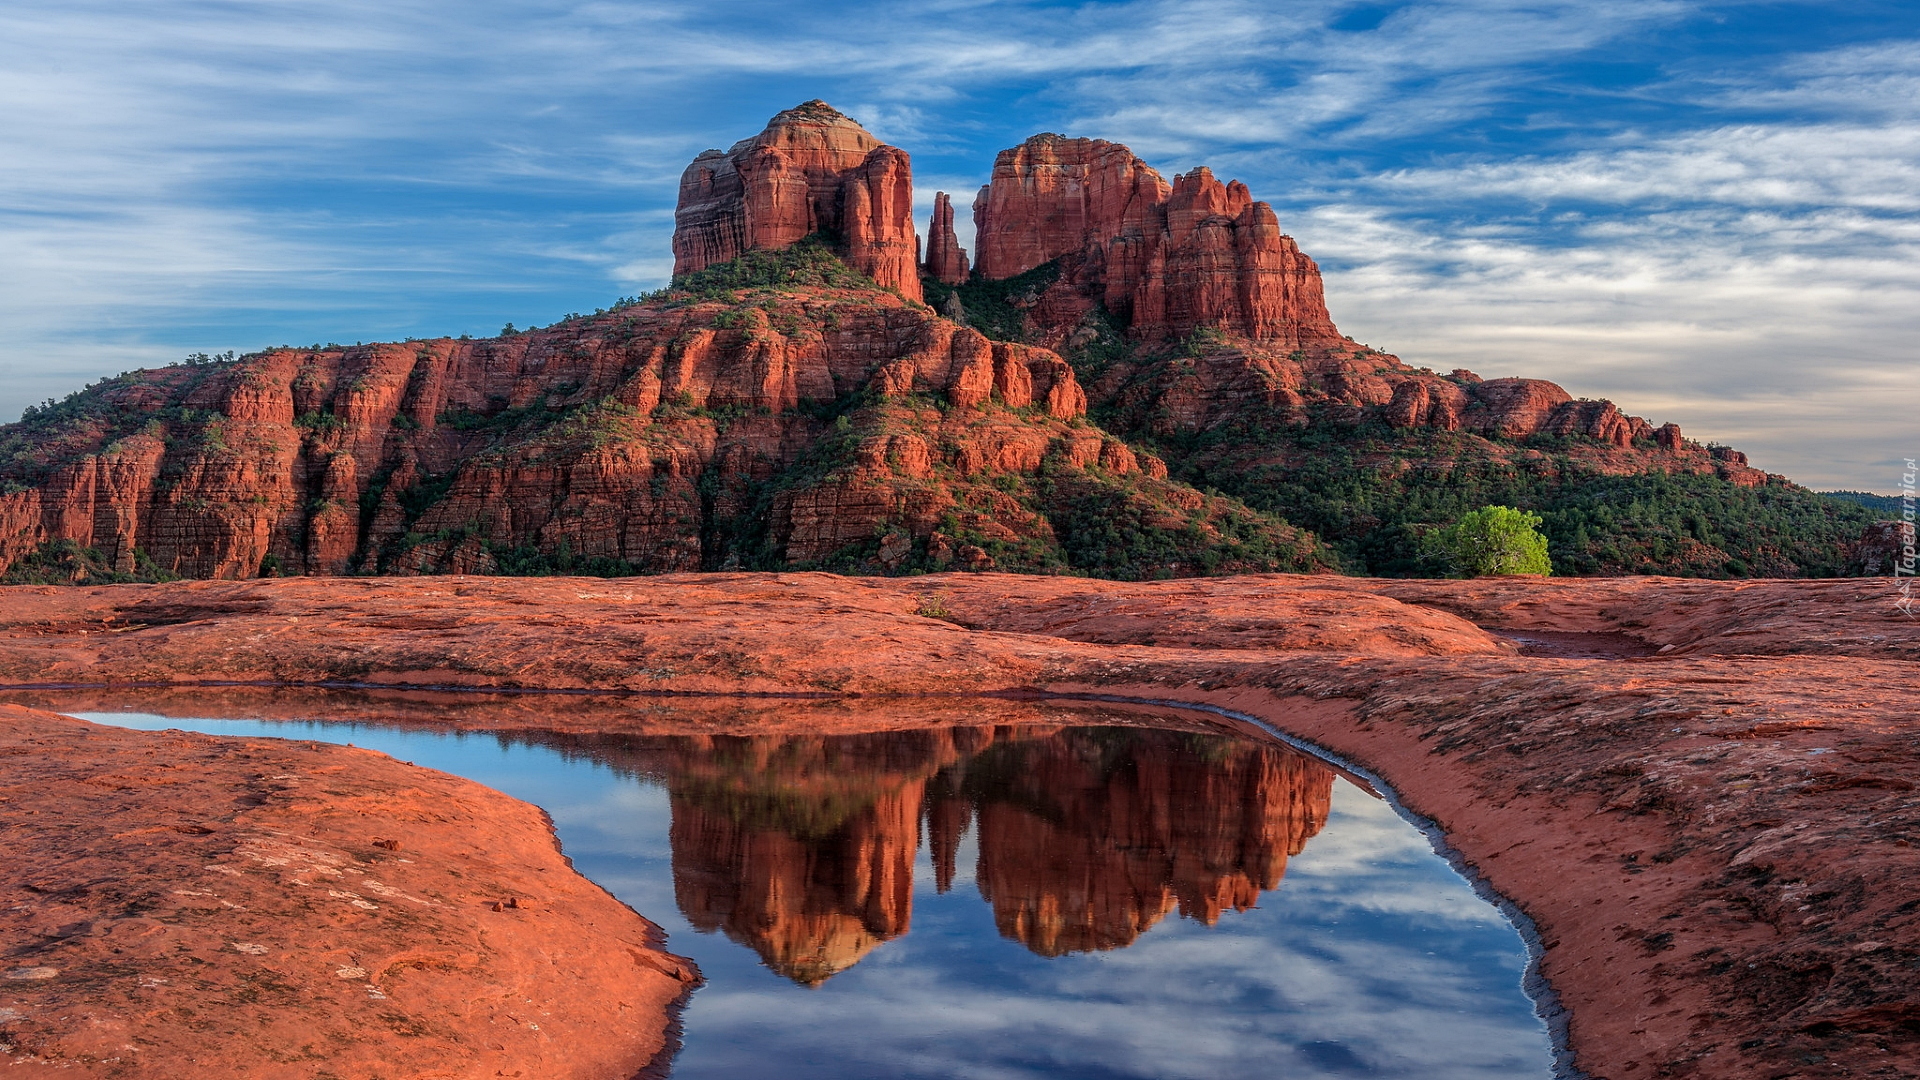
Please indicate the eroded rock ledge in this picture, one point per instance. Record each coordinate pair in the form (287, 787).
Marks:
(179, 904)
(1715, 841)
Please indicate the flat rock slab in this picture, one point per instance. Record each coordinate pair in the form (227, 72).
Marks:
(1718, 840)
(177, 905)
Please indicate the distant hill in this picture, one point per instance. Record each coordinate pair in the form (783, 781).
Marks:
(1887, 506)
(1138, 379)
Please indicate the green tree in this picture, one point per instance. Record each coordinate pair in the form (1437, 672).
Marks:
(1494, 540)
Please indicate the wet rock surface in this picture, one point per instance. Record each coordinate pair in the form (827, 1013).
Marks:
(186, 905)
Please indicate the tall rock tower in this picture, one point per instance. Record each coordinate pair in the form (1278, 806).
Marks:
(813, 170)
(946, 259)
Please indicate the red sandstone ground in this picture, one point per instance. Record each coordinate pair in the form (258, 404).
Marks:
(182, 905)
(1715, 840)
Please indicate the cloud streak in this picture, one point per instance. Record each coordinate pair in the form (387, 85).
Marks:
(1648, 199)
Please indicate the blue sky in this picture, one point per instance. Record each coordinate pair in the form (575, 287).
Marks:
(1708, 212)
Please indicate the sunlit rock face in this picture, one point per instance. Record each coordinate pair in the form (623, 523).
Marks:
(802, 848)
(946, 259)
(1163, 258)
(639, 434)
(813, 170)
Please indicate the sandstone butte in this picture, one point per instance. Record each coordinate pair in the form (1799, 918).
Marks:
(1710, 819)
(182, 905)
(1165, 259)
(821, 424)
(811, 171)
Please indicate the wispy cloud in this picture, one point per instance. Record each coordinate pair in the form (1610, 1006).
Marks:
(1721, 235)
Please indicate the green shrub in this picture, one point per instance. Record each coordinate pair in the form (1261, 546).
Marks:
(1494, 540)
(997, 309)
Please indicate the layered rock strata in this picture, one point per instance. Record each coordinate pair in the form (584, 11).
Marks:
(812, 171)
(647, 435)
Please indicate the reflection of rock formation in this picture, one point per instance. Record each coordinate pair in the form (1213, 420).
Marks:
(802, 847)
(811, 906)
(1089, 838)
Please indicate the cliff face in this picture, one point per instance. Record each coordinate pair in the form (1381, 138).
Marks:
(811, 171)
(813, 425)
(1164, 259)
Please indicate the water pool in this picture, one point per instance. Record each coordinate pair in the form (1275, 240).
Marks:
(1101, 898)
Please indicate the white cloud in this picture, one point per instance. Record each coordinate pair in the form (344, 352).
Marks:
(204, 176)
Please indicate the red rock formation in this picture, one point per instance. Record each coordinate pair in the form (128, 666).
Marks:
(189, 905)
(1885, 548)
(946, 259)
(1165, 260)
(598, 433)
(812, 170)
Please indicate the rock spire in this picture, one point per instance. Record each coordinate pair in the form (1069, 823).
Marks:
(946, 259)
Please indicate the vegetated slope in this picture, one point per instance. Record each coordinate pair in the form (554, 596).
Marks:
(1202, 335)
(1370, 453)
(1887, 506)
(778, 411)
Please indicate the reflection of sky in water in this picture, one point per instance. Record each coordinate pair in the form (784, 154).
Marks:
(1372, 959)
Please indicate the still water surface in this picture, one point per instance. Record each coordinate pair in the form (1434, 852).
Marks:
(1013, 902)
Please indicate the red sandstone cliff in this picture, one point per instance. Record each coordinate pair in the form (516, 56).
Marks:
(671, 435)
(1166, 260)
(1163, 259)
(812, 170)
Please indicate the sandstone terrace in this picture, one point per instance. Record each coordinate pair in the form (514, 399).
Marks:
(1715, 841)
